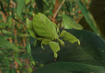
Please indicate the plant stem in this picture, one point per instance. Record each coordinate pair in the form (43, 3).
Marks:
(55, 14)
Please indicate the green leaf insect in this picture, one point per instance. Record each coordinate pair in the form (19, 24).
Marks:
(42, 29)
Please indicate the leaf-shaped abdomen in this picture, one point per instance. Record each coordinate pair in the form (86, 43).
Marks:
(44, 27)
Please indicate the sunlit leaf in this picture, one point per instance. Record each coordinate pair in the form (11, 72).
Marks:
(62, 33)
(35, 42)
(70, 23)
(78, 41)
(61, 42)
(56, 28)
(45, 42)
(27, 1)
(44, 27)
(55, 55)
(30, 28)
(69, 37)
(55, 47)
(30, 70)
(33, 62)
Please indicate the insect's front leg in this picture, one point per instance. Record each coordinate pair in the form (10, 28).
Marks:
(61, 42)
(45, 42)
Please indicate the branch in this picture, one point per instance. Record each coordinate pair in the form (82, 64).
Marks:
(55, 14)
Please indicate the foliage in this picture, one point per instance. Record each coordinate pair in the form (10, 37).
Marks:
(70, 67)
(85, 58)
(70, 23)
(15, 48)
(89, 18)
(42, 29)
(69, 8)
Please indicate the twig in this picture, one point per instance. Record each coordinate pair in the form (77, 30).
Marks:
(56, 6)
(16, 65)
(3, 16)
(55, 14)
(0, 72)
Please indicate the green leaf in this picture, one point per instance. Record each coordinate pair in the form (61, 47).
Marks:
(7, 62)
(20, 6)
(78, 41)
(7, 71)
(40, 38)
(6, 32)
(28, 48)
(30, 28)
(45, 42)
(2, 25)
(13, 71)
(56, 28)
(33, 62)
(61, 42)
(69, 37)
(44, 27)
(70, 23)
(70, 67)
(5, 43)
(91, 51)
(10, 21)
(55, 47)
(30, 70)
(55, 55)
(62, 33)
(27, 1)
(42, 47)
(35, 42)
(17, 60)
(88, 17)
(54, 1)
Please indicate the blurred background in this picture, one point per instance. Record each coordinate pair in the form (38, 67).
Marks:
(67, 14)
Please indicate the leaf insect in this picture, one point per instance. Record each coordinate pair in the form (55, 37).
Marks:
(42, 29)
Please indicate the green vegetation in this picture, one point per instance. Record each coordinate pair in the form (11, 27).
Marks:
(45, 36)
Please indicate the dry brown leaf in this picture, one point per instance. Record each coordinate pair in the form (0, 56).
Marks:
(12, 4)
(16, 65)
(0, 72)
(4, 17)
